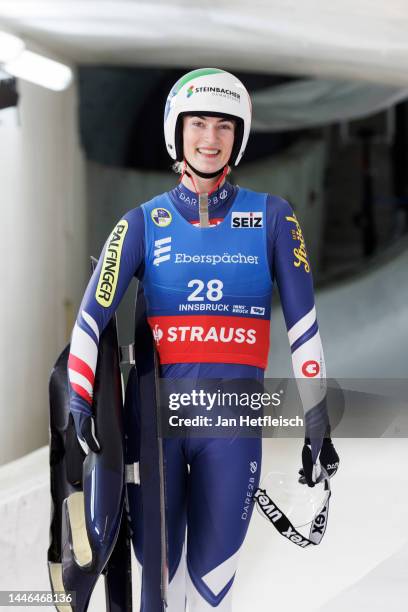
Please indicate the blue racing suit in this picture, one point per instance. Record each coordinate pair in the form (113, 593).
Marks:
(208, 294)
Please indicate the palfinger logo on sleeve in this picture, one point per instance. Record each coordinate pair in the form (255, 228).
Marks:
(108, 277)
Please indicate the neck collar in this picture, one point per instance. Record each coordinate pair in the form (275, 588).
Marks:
(190, 198)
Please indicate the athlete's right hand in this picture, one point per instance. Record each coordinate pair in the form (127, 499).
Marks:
(85, 430)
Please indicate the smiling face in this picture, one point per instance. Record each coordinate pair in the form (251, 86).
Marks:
(208, 141)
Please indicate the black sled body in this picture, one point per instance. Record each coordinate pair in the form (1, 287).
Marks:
(88, 490)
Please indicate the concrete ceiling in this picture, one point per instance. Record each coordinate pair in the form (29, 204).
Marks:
(342, 39)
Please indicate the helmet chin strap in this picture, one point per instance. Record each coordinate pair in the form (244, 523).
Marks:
(203, 197)
(204, 175)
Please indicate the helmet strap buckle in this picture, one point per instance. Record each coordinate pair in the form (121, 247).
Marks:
(203, 210)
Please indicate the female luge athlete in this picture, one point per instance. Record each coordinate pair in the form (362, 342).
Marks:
(207, 253)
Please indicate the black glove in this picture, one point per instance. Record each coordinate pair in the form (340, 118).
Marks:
(85, 430)
(311, 473)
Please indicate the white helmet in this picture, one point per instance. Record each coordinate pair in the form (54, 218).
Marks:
(207, 91)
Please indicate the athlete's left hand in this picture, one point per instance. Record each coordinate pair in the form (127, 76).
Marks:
(312, 473)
